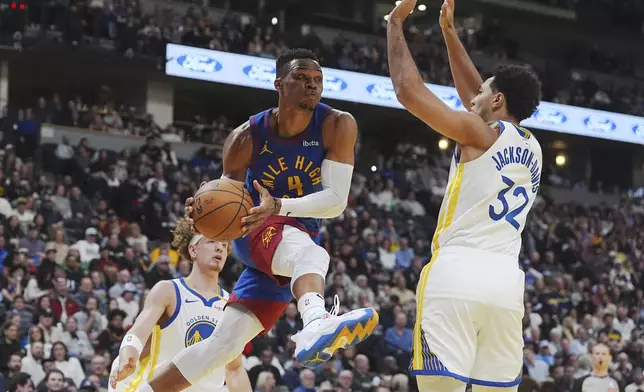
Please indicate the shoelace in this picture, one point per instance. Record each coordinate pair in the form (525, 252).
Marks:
(336, 306)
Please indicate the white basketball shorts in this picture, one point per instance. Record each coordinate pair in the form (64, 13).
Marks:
(469, 324)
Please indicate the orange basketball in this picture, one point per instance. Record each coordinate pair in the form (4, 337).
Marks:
(218, 208)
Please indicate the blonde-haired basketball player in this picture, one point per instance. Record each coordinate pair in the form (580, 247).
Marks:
(470, 295)
(179, 313)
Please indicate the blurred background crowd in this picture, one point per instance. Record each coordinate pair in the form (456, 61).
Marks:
(85, 230)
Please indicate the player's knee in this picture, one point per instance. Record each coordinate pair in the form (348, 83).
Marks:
(439, 384)
(312, 259)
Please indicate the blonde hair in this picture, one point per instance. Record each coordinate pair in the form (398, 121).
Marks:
(181, 236)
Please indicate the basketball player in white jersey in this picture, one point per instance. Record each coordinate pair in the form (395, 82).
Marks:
(177, 314)
(470, 295)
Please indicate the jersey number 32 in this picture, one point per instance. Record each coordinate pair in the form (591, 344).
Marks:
(506, 213)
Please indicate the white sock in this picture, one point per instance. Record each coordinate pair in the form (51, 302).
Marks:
(145, 387)
(311, 307)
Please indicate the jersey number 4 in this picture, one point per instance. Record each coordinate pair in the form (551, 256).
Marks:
(295, 184)
(505, 212)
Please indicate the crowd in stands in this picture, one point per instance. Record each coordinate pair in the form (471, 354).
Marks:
(131, 31)
(83, 241)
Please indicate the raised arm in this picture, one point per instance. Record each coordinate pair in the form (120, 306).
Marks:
(156, 304)
(237, 153)
(465, 128)
(236, 377)
(466, 77)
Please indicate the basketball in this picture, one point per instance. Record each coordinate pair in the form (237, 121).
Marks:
(218, 208)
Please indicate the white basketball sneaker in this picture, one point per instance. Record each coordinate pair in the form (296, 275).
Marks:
(319, 339)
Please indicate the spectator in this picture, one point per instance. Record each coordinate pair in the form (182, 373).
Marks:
(404, 255)
(62, 304)
(265, 382)
(36, 335)
(287, 326)
(110, 339)
(70, 366)
(264, 366)
(88, 248)
(76, 340)
(32, 363)
(117, 289)
(21, 382)
(535, 367)
(307, 381)
(26, 317)
(55, 381)
(9, 346)
(128, 303)
(99, 368)
(51, 332)
(12, 366)
(400, 289)
(399, 338)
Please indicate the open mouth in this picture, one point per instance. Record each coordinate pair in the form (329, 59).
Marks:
(218, 257)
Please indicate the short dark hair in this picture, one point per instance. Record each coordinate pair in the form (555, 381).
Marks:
(20, 379)
(54, 371)
(293, 54)
(521, 87)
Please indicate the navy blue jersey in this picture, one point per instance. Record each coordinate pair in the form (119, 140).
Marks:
(288, 167)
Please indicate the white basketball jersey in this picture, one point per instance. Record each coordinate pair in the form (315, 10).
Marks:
(478, 233)
(193, 320)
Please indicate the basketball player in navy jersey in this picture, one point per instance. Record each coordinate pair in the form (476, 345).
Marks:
(297, 162)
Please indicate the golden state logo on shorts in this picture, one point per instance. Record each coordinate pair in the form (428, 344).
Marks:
(200, 329)
(267, 235)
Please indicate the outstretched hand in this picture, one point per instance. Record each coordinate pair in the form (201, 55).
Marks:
(446, 19)
(268, 205)
(402, 10)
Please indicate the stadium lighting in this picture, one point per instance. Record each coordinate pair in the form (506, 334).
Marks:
(443, 144)
(374, 168)
(422, 7)
(274, 21)
(560, 160)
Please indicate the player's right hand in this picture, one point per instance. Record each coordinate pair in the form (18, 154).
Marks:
(126, 365)
(188, 204)
(446, 19)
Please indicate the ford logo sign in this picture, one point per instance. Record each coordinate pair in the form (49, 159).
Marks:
(382, 91)
(549, 116)
(638, 130)
(450, 100)
(334, 84)
(599, 124)
(260, 73)
(199, 63)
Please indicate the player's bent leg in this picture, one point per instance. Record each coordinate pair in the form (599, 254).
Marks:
(439, 384)
(237, 327)
(307, 264)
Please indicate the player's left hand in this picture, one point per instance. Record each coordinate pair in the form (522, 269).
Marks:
(268, 205)
(402, 10)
